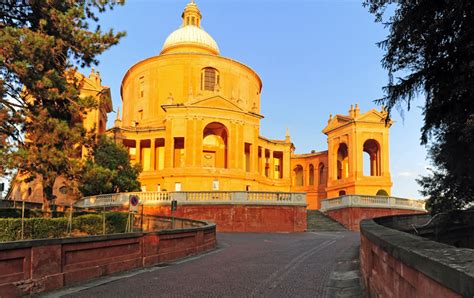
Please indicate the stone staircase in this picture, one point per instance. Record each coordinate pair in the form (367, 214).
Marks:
(318, 221)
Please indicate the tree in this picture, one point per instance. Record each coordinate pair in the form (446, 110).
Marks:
(430, 51)
(41, 42)
(109, 170)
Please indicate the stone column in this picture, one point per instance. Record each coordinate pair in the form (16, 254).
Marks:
(138, 151)
(152, 154)
(271, 172)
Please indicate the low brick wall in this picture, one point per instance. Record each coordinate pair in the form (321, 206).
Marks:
(29, 267)
(352, 216)
(241, 218)
(398, 264)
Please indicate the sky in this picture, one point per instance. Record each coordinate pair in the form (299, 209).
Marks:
(315, 58)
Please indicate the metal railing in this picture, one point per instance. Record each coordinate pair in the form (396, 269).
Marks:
(365, 201)
(195, 197)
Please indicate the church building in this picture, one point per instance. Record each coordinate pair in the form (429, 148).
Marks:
(191, 117)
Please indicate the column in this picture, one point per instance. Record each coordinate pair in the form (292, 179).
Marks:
(286, 164)
(138, 152)
(169, 144)
(263, 161)
(152, 155)
(271, 172)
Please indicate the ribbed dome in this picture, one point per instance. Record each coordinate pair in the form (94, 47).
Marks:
(191, 36)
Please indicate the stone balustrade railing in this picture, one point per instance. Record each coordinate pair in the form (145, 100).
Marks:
(372, 202)
(195, 197)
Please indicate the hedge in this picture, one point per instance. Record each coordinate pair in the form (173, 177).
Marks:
(40, 228)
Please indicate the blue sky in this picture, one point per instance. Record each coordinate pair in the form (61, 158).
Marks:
(314, 58)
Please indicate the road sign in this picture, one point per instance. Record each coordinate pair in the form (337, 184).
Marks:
(174, 205)
(134, 201)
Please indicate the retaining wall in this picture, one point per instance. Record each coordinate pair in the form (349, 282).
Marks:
(29, 267)
(350, 217)
(241, 218)
(398, 264)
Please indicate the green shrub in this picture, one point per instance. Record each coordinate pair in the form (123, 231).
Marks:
(39, 228)
(90, 224)
(116, 222)
(34, 228)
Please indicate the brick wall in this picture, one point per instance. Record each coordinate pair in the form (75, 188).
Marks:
(351, 217)
(241, 218)
(399, 264)
(29, 267)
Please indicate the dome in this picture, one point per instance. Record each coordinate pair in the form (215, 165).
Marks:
(190, 35)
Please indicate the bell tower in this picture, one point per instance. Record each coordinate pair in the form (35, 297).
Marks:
(358, 153)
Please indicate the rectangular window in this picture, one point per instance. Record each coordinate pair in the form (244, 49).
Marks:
(209, 79)
(177, 186)
(158, 187)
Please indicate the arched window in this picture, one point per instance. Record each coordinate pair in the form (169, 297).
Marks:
(209, 79)
(299, 178)
(342, 193)
(382, 192)
(342, 162)
(371, 158)
(214, 145)
(322, 176)
(311, 174)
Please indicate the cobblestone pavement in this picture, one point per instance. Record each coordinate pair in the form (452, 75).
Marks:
(245, 265)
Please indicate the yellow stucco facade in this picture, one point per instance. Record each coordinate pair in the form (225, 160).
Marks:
(191, 118)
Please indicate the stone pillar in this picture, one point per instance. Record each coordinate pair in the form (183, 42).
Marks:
(152, 154)
(271, 172)
(138, 151)
(198, 136)
(286, 164)
(263, 161)
(169, 144)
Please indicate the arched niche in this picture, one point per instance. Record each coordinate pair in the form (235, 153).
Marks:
(299, 177)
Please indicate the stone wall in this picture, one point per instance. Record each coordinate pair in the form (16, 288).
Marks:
(398, 264)
(29, 267)
(241, 218)
(352, 216)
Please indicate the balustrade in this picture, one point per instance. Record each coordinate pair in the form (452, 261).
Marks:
(372, 201)
(201, 197)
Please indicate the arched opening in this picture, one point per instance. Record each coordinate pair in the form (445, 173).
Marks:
(382, 192)
(210, 79)
(322, 174)
(299, 178)
(214, 146)
(371, 158)
(342, 193)
(342, 162)
(311, 174)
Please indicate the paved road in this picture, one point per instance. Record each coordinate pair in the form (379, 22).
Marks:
(246, 265)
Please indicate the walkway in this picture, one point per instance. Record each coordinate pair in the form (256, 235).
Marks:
(250, 265)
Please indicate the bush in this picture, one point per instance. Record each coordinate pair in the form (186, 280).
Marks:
(40, 228)
(116, 222)
(35, 228)
(90, 224)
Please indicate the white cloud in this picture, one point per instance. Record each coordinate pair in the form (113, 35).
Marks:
(407, 174)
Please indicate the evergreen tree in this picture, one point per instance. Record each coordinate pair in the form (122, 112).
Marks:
(41, 42)
(109, 170)
(430, 51)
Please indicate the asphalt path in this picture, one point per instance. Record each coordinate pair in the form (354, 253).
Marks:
(244, 265)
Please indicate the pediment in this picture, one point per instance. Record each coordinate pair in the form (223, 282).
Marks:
(372, 116)
(215, 102)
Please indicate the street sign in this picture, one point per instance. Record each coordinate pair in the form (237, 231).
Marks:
(174, 205)
(134, 201)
